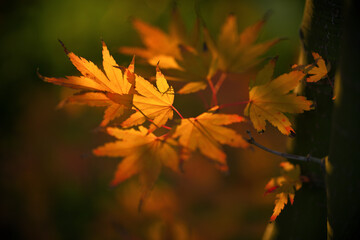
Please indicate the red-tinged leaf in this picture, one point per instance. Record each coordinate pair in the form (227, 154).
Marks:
(284, 187)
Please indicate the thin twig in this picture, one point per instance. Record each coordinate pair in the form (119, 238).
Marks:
(214, 101)
(220, 82)
(308, 158)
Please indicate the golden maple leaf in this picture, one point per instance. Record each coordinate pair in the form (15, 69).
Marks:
(151, 102)
(238, 52)
(160, 46)
(103, 86)
(181, 59)
(143, 154)
(269, 100)
(284, 187)
(206, 133)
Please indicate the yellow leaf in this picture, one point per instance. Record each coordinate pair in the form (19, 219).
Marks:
(264, 75)
(270, 100)
(143, 154)
(113, 81)
(112, 112)
(96, 99)
(206, 133)
(192, 87)
(153, 103)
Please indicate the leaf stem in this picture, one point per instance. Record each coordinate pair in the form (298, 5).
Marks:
(220, 82)
(178, 113)
(214, 98)
(308, 158)
(163, 126)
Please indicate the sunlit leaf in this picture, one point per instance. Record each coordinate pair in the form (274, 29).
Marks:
(269, 100)
(206, 133)
(143, 154)
(113, 81)
(153, 102)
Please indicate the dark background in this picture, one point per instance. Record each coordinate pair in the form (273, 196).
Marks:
(53, 188)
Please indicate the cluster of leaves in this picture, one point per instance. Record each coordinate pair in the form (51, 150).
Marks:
(144, 140)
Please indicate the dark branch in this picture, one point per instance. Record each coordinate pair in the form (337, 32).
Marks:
(308, 158)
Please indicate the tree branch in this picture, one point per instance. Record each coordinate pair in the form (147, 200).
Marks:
(308, 158)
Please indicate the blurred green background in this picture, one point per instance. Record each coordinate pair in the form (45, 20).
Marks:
(51, 185)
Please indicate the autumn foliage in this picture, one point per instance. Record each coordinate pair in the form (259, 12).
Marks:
(155, 134)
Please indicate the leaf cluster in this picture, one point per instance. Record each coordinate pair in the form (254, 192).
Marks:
(152, 136)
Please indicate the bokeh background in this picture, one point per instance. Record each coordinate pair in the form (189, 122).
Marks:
(52, 187)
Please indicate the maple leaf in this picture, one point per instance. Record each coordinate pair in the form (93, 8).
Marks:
(269, 100)
(152, 103)
(284, 187)
(143, 154)
(160, 46)
(317, 72)
(206, 133)
(104, 87)
(238, 52)
(196, 67)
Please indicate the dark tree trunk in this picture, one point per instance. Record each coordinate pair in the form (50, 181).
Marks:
(343, 165)
(320, 32)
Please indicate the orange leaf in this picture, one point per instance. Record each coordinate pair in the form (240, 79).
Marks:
(206, 133)
(238, 52)
(160, 46)
(143, 154)
(113, 82)
(284, 187)
(317, 72)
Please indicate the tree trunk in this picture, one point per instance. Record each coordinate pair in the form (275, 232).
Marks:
(343, 164)
(320, 32)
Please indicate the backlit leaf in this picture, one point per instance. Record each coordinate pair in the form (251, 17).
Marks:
(238, 52)
(160, 46)
(206, 133)
(284, 187)
(153, 102)
(143, 154)
(269, 100)
(113, 81)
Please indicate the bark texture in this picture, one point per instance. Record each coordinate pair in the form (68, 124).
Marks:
(343, 164)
